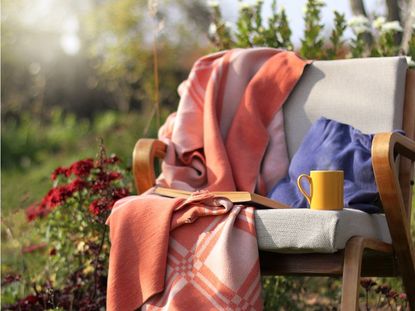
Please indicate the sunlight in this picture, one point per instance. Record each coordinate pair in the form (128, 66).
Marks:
(70, 43)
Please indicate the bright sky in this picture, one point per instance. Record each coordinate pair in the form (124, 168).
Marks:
(52, 15)
(295, 12)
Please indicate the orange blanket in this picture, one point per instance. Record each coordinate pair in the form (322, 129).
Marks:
(220, 139)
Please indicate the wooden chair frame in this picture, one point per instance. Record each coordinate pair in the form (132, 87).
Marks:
(393, 156)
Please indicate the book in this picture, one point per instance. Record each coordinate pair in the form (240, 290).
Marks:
(235, 196)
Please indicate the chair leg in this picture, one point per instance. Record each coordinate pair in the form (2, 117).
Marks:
(352, 267)
(351, 274)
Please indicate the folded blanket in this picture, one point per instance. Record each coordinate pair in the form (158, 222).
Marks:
(228, 132)
(218, 140)
(330, 145)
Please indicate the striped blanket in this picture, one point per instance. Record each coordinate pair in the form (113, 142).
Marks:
(201, 253)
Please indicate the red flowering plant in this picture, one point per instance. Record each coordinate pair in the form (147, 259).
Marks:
(386, 298)
(71, 218)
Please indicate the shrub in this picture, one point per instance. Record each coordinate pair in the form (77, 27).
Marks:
(252, 31)
(71, 219)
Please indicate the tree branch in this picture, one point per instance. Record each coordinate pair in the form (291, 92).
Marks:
(358, 8)
(394, 14)
(409, 21)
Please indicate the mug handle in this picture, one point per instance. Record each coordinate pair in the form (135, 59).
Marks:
(300, 187)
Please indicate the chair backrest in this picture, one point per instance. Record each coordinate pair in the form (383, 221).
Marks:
(365, 93)
(372, 94)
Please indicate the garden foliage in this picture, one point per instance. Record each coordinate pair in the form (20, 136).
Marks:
(70, 220)
(251, 30)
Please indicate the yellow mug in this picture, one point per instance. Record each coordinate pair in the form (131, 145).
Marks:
(326, 189)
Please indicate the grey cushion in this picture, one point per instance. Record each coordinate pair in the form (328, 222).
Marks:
(366, 93)
(306, 231)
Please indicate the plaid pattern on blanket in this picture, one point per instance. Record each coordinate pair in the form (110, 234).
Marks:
(210, 264)
(227, 135)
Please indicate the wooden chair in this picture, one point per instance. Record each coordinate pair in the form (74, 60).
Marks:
(335, 89)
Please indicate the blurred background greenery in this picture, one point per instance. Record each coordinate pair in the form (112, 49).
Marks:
(77, 70)
(74, 71)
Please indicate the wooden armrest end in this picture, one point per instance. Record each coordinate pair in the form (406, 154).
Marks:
(385, 147)
(145, 151)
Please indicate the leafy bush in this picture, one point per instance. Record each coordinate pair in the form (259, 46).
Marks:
(252, 31)
(26, 142)
(71, 219)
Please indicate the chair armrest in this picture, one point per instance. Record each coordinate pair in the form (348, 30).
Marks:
(385, 147)
(145, 151)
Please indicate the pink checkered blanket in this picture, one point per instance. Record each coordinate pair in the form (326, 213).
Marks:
(201, 253)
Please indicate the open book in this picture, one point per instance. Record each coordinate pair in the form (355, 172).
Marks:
(235, 196)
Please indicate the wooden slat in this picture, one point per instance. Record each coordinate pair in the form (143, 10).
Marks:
(315, 264)
(409, 105)
(406, 171)
(375, 263)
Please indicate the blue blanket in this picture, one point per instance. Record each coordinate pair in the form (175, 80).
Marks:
(330, 145)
